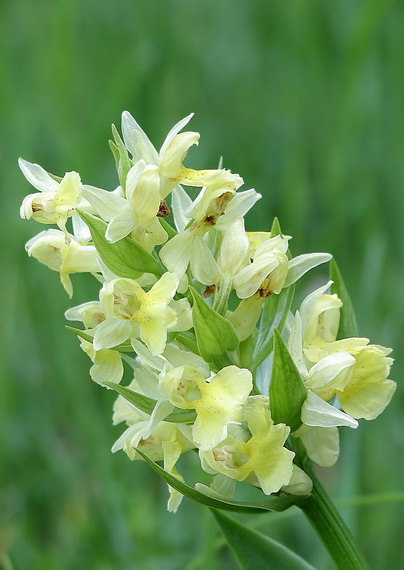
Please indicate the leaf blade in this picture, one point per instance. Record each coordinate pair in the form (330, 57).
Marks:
(125, 258)
(254, 550)
(147, 405)
(273, 317)
(348, 326)
(277, 504)
(215, 335)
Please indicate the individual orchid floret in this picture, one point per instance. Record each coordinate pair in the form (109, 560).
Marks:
(50, 248)
(56, 201)
(256, 454)
(330, 374)
(90, 314)
(213, 198)
(366, 390)
(165, 443)
(171, 156)
(220, 273)
(135, 214)
(268, 270)
(369, 390)
(271, 270)
(107, 364)
(217, 402)
(236, 209)
(133, 313)
(176, 253)
(320, 313)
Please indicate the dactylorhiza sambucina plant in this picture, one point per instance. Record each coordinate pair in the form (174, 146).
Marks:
(201, 312)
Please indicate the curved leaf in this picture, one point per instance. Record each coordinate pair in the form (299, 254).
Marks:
(256, 551)
(347, 325)
(146, 404)
(83, 334)
(125, 258)
(122, 160)
(274, 315)
(272, 503)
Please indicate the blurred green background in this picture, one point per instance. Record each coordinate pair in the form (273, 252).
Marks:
(305, 99)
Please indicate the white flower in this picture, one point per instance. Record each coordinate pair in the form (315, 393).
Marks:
(50, 248)
(56, 201)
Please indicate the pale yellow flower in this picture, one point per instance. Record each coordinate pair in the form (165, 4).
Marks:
(217, 402)
(56, 201)
(133, 313)
(259, 455)
(51, 248)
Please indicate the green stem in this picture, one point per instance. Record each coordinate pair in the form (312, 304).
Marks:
(332, 530)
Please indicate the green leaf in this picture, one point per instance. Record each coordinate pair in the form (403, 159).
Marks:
(272, 503)
(146, 404)
(347, 325)
(122, 160)
(171, 232)
(125, 258)
(256, 551)
(276, 228)
(186, 338)
(274, 314)
(287, 391)
(79, 332)
(215, 335)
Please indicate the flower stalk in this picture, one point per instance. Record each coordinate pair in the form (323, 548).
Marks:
(333, 531)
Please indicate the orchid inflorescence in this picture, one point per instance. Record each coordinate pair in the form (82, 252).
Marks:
(200, 311)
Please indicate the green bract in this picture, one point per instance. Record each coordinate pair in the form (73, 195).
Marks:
(125, 258)
(215, 335)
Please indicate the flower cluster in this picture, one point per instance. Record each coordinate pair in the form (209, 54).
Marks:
(198, 310)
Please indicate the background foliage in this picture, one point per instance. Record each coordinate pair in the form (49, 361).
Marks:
(304, 99)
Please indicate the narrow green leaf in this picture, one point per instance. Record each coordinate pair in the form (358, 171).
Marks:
(79, 332)
(272, 503)
(287, 391)
(115, 152)
(125, 258)
(215, 335)
(82, 334)
(276, 228)
(146, 404)
(347, 326)
(171, 232)
(273, 317)
(186, 338)
(256, 551)
(122, 160)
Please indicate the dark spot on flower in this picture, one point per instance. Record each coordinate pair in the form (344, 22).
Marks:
(164, 210)
(209, 290)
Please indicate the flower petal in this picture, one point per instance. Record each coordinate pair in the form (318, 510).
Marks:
(111, 332)
(120, 226)
(318, 413)
(322, 444)
(37, 176)
(181, 202)
(301, 264)
(107, 367)
(106, 204)
(136, 140)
